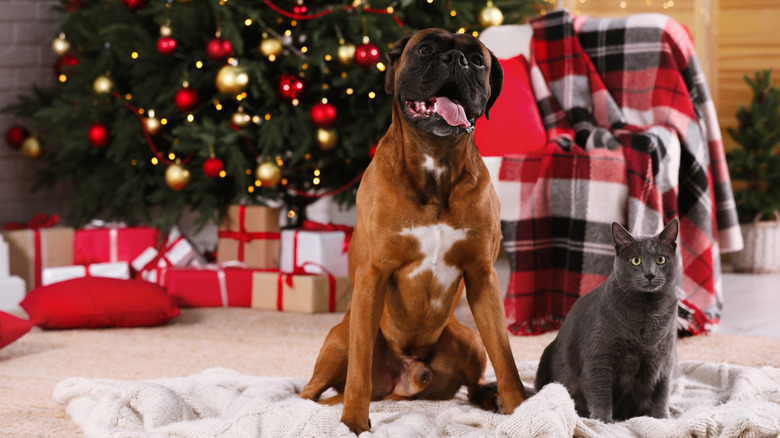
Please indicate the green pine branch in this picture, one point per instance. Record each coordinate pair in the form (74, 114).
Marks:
(755, 165)
(126, 181)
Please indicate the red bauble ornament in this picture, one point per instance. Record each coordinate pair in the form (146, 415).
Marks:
(74, 5)
(212, 167)
(135, 4)
(99, 135)
(186, 99)
(290, 87)
(366, 55)
(372, 150)
(219, 49)
(323, 115)
(66, 64)
(166, 45)
(15, 136)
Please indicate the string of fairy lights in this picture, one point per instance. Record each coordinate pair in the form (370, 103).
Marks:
(232, 80)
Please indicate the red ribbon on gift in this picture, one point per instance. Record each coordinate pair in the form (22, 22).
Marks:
(38, 221)
(308, 225)
(243, 236)
(288, 279)
(161, 255)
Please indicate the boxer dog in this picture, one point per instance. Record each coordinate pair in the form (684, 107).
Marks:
(428, 224)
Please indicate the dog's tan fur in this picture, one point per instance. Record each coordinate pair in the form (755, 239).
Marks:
(396, 319)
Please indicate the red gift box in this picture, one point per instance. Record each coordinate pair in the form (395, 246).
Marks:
(114, 244)
(208, 286)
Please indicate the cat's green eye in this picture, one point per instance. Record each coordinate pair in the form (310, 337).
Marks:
(636, 261)
(660, 260)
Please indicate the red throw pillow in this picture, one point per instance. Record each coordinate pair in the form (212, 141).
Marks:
(12, 328)
(99, 302)
(515, 126)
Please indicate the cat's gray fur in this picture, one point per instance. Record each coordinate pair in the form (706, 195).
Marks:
(616, 350)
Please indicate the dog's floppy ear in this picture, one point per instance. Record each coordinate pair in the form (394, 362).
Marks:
(392, 59)
(496, 83)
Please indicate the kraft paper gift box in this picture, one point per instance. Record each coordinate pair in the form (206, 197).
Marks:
(208, 286)
(300, 293)
(12, 292)
(33, 250)
(103, 244)
(250, 234)
(110, 270)
(325, 248)
(176, 250)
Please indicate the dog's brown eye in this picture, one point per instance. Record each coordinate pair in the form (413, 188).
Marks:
(425, 49)
(477, 60)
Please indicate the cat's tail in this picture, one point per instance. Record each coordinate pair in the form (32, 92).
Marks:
(544, 372)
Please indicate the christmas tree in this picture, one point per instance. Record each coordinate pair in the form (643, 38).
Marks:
(755, 166)
(164, 106)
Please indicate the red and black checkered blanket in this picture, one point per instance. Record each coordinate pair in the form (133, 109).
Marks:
(633, 138)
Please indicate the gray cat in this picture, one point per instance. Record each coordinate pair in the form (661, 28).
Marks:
(616, 350)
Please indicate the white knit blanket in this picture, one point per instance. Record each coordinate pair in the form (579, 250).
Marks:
(709, 400)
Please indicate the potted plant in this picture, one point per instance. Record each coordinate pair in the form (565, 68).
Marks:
(755, 170)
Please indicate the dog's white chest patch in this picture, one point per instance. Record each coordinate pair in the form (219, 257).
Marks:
(430, 165)
(435, 241)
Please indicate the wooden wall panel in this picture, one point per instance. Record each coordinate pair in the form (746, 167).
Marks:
(747, 39)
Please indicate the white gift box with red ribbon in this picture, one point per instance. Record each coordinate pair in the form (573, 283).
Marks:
(176, 250)
(12, 292)
(61, 273)
(325, 248)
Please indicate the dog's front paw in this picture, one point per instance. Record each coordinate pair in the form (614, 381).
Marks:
(355, 425)
(487, 398)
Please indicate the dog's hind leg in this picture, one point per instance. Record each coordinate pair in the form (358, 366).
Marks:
(330, 370)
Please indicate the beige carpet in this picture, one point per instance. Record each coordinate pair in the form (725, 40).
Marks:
(249, 341)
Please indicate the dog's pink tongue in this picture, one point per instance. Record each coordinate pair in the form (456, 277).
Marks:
(452, 112)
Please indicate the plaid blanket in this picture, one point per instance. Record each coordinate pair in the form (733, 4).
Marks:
(633, 138)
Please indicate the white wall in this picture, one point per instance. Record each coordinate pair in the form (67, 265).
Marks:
(26, 32)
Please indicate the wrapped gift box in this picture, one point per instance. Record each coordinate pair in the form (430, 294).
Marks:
(112, 244)
(62, 273)
(300, 293)
(327, 249)
(12, 292)
(208, 286)
(33, 250)
(4, 268)
(250, 234)
(176, 250)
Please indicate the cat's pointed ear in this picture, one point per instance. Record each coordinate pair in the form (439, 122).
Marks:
(669, 234)
(621, 236)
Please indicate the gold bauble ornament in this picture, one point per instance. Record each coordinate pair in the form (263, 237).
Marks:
(346, 54)
(232, 80)
(177, 176)
(490, 16)
(103, 85)
(152, 125)
(165, 30)
(269, 174)
(327, 138)
(271, 46)
(31, 148)
(241, 119)
(60, 45)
